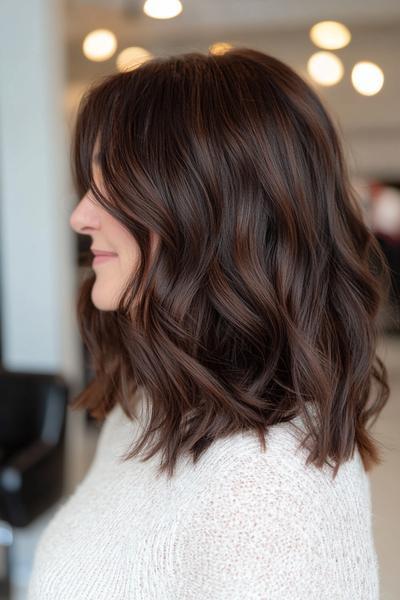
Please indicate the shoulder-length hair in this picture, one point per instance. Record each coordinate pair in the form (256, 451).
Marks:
(260, 302)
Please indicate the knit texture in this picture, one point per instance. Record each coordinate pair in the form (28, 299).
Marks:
(239, 525)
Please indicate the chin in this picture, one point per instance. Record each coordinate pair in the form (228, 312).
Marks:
(103, 302)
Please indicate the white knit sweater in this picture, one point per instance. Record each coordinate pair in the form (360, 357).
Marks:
(240, 525)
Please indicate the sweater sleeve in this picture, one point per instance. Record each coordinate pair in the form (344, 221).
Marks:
(261, 535)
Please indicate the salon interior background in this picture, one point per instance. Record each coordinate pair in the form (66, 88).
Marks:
(44, 72)
(45, 66)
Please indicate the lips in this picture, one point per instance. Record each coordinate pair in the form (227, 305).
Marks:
(103, 253)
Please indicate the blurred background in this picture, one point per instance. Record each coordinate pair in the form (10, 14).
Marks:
(50, 51)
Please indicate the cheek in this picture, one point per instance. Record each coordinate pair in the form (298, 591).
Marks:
(128, 258)
(126, 247)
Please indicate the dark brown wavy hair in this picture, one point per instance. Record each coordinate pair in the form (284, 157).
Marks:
(261, 301)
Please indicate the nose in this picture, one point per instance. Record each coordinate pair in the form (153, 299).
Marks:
(84, 216)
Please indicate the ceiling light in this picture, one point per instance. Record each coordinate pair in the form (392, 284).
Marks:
(162, 9)
(331, 35)
(325, 68)
(99, 45)
(132, 57)
(219, 48)
(367, 78)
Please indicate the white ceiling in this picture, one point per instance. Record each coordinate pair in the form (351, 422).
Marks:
(371, 125)
(245, 13)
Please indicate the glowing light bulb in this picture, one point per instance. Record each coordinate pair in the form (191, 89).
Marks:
(367, 78)
(162, 9)
(219, 47)
(325, 68)
(99, 44)
(330, 35)
(132, 57)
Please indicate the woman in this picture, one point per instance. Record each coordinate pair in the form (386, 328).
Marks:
(233, 335)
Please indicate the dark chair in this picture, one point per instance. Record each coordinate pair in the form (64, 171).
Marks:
(33, 408)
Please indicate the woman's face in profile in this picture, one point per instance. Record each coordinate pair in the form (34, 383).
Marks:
(108, 235)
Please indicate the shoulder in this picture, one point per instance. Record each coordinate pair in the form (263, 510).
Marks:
(238, 463)
(265, 525)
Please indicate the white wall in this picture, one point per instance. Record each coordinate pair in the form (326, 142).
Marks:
(39, 331)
